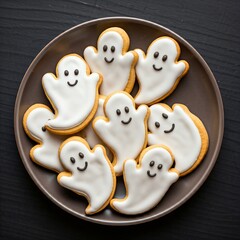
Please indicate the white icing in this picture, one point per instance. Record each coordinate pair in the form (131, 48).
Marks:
(155, 84)
(89, 133)
(184, 141)
(145, 192)
(126, 140)
(47, 153)
(73, 104)
(96, 182)
(115, 74)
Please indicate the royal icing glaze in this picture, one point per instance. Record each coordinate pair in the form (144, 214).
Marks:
(159, 71)
(124, 128)
(73, 94)
(112, 61)
(89, 173)
(45, 154)
(146, 183)
(89, 133)
(176, 130)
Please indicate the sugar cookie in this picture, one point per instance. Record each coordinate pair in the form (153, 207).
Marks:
(181, 131)
(159, 72)
(113, 61)
(146, 183)
(73, 94)
(46, 153)
(89, 173)
(123, 128)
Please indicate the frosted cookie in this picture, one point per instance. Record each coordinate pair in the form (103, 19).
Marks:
(73, 93)
(159, 72)
(113, 61)
(89, 173)
(123, 128)
(181, 131)
(89, 134)
(146, 183)
(46, 152)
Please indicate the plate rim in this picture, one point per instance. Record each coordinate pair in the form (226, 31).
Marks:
(141, 219)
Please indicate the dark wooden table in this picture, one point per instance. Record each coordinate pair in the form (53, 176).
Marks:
(212, 27)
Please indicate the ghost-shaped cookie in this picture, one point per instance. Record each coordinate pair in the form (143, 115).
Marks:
(89, 134)
(88, 173)
(181, 131)
(46, 152)
(73, 93)
(146, 183)
(123, 128)
(112, 60)
(159, 71)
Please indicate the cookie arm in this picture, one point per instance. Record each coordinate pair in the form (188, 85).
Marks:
(129, 169)
(90, 54)
(64, 179)
(100, 152)
(101, 127)
(182, 67)
(141, 55)
(142, 111)
(128, 58)
(152, 139)
(49, 83)
(94, 78)
(174, 175)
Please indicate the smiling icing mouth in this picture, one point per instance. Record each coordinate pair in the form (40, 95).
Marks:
(170, 130)
(156, 69)
(84, 168)
(151, 175)
(108, 61)
(72, 84)
(129, 120)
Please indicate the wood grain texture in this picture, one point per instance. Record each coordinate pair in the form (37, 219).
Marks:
(212, 27)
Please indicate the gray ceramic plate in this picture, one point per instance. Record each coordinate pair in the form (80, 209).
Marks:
(198, 90)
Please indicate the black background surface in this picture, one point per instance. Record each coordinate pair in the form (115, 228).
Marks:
(212, 27)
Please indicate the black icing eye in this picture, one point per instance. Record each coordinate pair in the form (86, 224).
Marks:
(81, 155)
(126, 109)
(76, 72)
(159, 166)
(112, 49)
(44, 129)
(151, 164)
(105, 48)
(72, 159)
(164, 58)
(165, 115)
(156, 54)
(66, 72)
(118, 112)
(157, 124)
